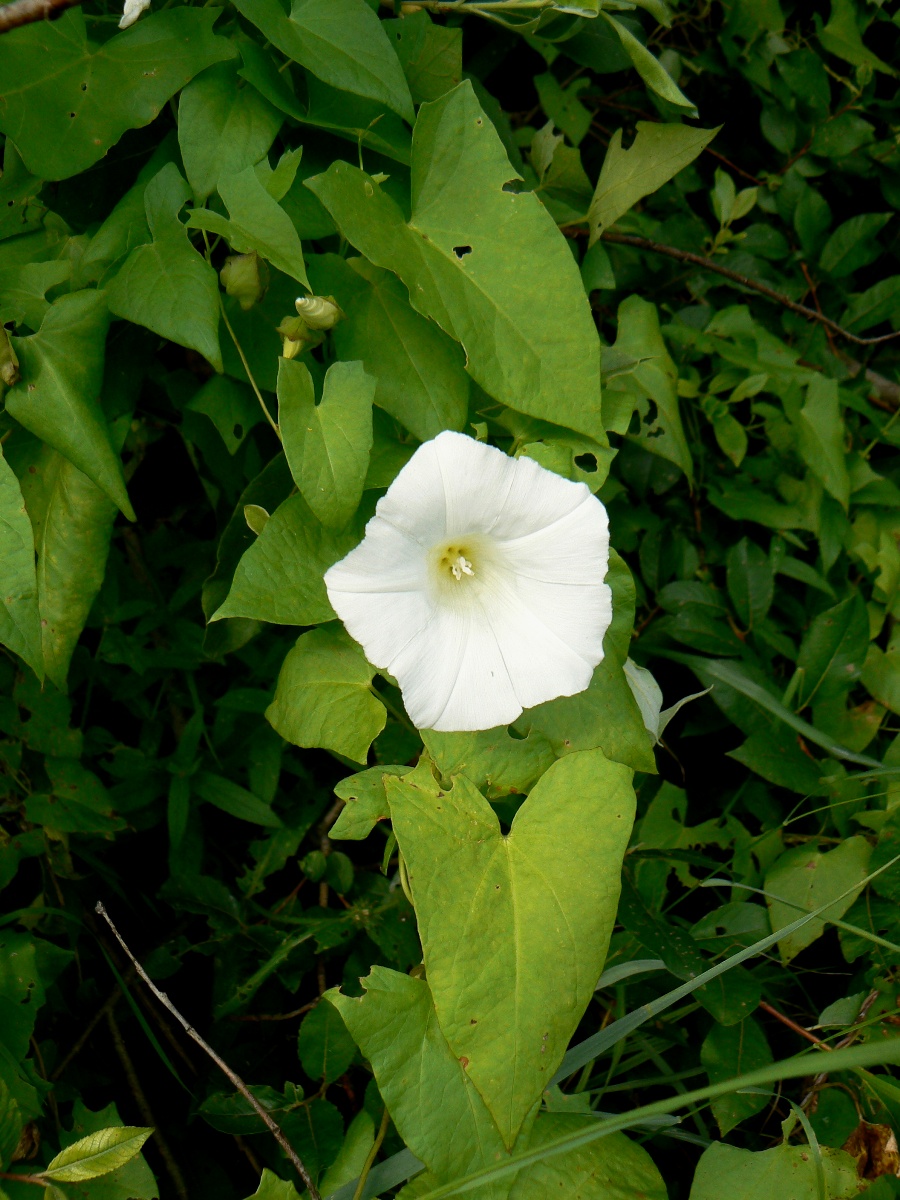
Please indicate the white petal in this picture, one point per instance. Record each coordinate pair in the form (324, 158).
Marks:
(131, 12)
(379, 592)
(453, 676)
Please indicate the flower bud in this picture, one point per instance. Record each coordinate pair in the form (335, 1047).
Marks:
(319, 312)
(246, 277)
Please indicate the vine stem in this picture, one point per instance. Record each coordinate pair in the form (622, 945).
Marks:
(370, 1157)
(246, 365)
(642, 243)
(265, 1116)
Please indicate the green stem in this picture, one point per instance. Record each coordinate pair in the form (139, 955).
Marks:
(370, 1158)
(246, 366)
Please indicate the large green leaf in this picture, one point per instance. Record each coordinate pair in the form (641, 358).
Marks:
(64, 100)
(430, 1096)
(514, 928)
(341, 41)
(612, 1169)
(23, 290)
(324, 695)
(497, 764)
(56, 397)
(466, 255)
(804, 878)
(167, 286)
(327, 445)
(223, 127)
(20, 622)
(257, 222)
(785, 1171)
(72, 522)
(657, 153)
(821, 439)
(421, 372)
(279, 579)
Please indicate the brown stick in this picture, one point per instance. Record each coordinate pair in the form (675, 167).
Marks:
(26, 12)
(640, 243)
(265, 1116)
(779, 1016)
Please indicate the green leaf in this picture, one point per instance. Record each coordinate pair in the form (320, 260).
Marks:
(657, 153)
(231, 406)
(324, 1046)
(841, 37)
(20, 622)
(133, 1181)
(273, 1188)
(126, 226)
(223, 127)
(776, 755)
(395, 1026)
(729, 1000)
(324, 696)
(821, 431)
(833, 651)
(10, 1125)
(421, 373)
(730, 1050)
(23, 291)
(711, 671)
(853, 245)
(495, 762)
(430, 54)
(804, 878)
(167, 286)
(78, 803)
(232, 798)
(327, 445)
(786, 1171)
(72, 522)
(257, 222)
(876, 304)
(56, 398)
(365, 802)
(653, 73)
(850, 1058)
(279, 579)
(354, 1152)
(654, 376)
(97, 1154)
(751, 582)
(535, 916)
(340, 41)
(529, 338)
(612, 1169)
(65, 101)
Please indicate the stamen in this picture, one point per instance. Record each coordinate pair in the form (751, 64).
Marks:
(461, 566)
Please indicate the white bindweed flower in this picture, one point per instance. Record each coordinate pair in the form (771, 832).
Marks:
(131, 12)
(479, 585)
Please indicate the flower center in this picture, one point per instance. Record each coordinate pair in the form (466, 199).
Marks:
(461, 566)
(458, 564)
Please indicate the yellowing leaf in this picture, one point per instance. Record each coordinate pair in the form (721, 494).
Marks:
(97, 1154)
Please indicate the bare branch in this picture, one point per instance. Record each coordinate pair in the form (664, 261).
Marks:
(26, 12)
(262, 1113)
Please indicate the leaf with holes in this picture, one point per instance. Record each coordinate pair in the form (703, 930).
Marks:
(64, 100)
(528, 335)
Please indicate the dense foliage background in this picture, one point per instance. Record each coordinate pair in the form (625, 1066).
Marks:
(753, 486)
